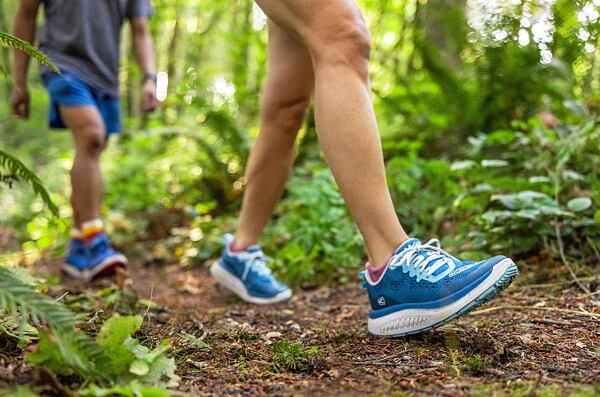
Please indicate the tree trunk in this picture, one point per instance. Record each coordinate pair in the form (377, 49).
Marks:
(445, 27)
(242, 25)
(172, 64)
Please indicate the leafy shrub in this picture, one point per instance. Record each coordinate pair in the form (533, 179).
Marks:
(522, 181)
(313, 235)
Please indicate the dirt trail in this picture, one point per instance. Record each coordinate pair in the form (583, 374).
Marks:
(534, 335)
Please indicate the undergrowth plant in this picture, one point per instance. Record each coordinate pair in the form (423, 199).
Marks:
(313, 233)
(112, 361)
(293, 356)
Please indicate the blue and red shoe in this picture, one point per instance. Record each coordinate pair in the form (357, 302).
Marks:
(87, 260)
(423, 287)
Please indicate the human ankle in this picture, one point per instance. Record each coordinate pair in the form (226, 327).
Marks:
(380, 259)
(240, 243)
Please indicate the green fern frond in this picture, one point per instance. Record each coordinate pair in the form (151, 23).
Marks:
(79, 351)
(19, 298)
(18, 169)
(10, 41)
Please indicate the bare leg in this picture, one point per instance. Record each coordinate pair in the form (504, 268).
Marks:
(285, 97)
(86, 179)
(338, 40)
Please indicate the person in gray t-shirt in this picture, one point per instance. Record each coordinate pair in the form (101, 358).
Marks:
(81, 38)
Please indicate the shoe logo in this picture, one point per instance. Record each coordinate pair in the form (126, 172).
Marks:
(381, 301)
(462, 269)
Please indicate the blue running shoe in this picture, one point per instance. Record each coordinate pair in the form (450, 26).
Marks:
(247, 275)
(93, 259)
(424, 287)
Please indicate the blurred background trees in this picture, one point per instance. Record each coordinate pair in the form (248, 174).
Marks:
(488, 112)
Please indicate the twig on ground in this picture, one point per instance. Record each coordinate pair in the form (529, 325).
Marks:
(149, 303)
(62, 296)
(563, 257)
(561, 248)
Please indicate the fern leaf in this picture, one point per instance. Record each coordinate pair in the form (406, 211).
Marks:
(10, 41)
(79, 351)
(18, 169)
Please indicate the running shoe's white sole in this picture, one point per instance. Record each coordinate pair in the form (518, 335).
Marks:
(107, 266)
(414, 321)
(235, 285)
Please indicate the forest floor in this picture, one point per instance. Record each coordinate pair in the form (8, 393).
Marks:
(539, 339)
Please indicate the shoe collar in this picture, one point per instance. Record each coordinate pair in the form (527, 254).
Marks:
(408, 243)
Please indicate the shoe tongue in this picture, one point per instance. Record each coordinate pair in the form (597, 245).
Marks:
(406, 244)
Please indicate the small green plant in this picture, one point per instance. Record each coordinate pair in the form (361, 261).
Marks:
(474, 364)
(293, 356)
(19, 391)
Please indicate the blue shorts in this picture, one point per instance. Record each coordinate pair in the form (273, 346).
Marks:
(68, 90)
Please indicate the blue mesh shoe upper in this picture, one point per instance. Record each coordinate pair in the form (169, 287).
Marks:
(424, 276)
(250, 266)
(86, 256)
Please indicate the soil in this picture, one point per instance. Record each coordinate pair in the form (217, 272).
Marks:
(529, 337)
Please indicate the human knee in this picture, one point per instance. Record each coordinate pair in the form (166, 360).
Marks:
(346, 43)
(91, 140)
(287, 113)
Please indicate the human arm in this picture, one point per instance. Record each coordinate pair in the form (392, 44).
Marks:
(25, 29)
(143, 49)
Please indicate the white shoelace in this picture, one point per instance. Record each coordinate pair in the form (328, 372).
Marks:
(423, 267)
(256, 261)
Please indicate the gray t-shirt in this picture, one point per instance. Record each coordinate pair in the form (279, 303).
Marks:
(82, 37)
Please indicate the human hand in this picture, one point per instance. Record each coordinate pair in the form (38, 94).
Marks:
(19, 100)
(149, 101)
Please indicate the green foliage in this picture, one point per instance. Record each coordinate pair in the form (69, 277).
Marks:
(127, 359)
(474, 364)
(313, 233)
(114, 357)
(18, 171)
(19, 391)
(10, 41)
(194, 341)
(112, 336)
(76, 349)
(134, 389)
(293, 356)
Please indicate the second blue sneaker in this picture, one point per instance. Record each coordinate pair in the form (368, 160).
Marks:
(246, 274)
(92, 259)
(423, 287)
